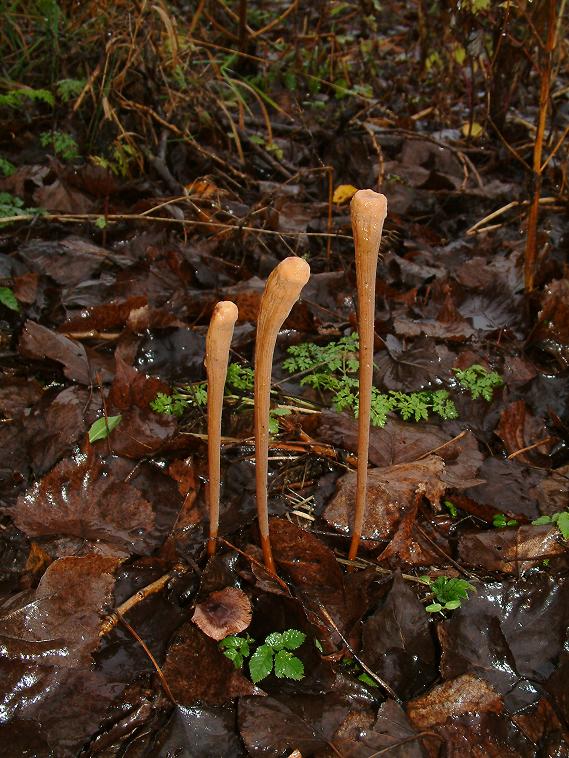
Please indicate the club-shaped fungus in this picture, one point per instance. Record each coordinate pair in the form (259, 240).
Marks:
(217, 346)
(368, 209)
(281, 293)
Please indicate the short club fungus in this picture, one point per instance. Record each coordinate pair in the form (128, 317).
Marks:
(282, 290)
(368, 209)
(217, 346)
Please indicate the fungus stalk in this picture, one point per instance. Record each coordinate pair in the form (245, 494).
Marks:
(368, 210)
(282, 290)
(217, 346)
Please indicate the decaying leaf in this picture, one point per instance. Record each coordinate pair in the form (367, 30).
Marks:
(391, 491)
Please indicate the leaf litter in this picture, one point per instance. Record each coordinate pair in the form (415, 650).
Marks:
(110, 610)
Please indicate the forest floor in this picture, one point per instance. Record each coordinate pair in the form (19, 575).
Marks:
(174, 172)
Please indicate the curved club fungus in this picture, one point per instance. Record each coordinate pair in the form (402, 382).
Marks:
(368, 209)
(281, 293)
(217, 345)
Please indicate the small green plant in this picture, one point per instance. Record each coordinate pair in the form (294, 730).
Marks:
(8, 299)
(236, 649)
(102, 427)
(354, 668)
(63, 144)
(181, 398)
(10, 205)
(560, 519)
(15, 98)
(195, 395)
(6, 167)
(499, 520)
(240, 377)
(448, 593)
(67, 89)
(451, 508)
(273, 655)
(479, 381)
(333, 367)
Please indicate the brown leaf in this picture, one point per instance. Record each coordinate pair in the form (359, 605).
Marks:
(223, 613)
(554, 315)
(58, 196)
(102, 318)
(39, 342)
(81, 498)
(510, 550)
(519, 429)
(132, 388)
(316, 576)
(397, 642)
(197, 671)
(509, 633)
(391, 491)
(59, 624)
(273, 728)
(410, 368)
(55, 425)
(453, 698)
(69, 262)
(26, 287)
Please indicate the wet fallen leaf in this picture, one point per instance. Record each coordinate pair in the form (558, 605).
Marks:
(397, 642)
(198, 672)
(512, 550)
(391, 491)
(39, 342)
(80, 498)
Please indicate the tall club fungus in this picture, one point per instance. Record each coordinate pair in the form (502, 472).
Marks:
(368, 209)
(217, 346)
(282, 290)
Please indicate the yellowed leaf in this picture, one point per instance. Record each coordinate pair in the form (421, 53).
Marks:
(472, 130)
(343, 193)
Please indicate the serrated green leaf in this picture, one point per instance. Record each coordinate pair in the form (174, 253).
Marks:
(230, 642)
(8, 299)
(102, 427)
(261, 663)
(563, 525)
(234, 656)
(288, 666)
(293, 639)
(275, 640)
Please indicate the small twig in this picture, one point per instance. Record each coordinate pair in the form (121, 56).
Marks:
(257, 563)
(475, 228)
(113, 618)
(404, 741)
(153, 660)
(365, 667)
(74, 218)
(442, 553)
(530, 447)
